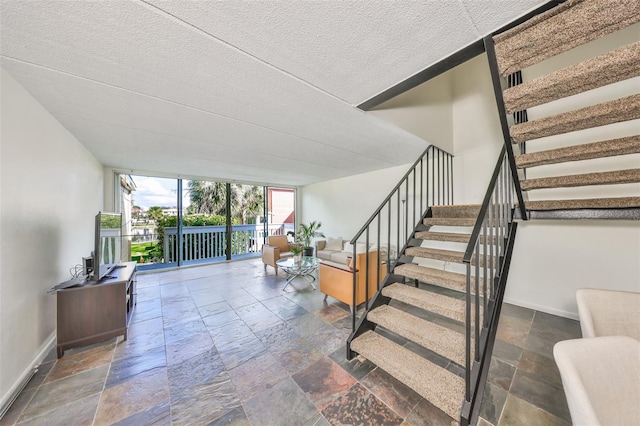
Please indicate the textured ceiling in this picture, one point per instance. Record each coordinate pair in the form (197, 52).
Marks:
(237, 90)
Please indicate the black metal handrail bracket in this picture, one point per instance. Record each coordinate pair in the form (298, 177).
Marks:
(428, 182)
(488, 253)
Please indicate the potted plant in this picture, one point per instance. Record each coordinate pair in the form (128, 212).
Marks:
(306, 233)
(297, 250)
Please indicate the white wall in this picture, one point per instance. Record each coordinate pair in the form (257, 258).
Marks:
(424, 111)
(477, 137)
(552, 259)
(51, 189)
(343, 205)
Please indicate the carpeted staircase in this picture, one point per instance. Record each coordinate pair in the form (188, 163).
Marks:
(415, 327)
(544, 38)
(429, 314)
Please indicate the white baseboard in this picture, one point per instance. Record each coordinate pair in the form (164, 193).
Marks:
(546, 309)
(16, 388)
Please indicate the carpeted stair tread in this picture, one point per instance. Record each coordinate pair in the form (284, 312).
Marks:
(443, 236)
(614, 66)
(439, 339)
(592, 203)
(436, 303)
(615, 111)
(440, 254)
(440, 387)
(433, 276)
(610, 148)
(560, 29)
(587, 179)
(449, 221)
(456, 211)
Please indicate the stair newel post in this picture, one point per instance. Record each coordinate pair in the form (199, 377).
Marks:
(467, 373)
(433, 178)
(490, 212)
(405, 207)
(389, 235)
(413, 204)
(477, 300)
(378, 257)
(366, 270)
(421, 188)
(484, 272)
(354, 263)
(497, 90)
(398, 215)
(439, 174)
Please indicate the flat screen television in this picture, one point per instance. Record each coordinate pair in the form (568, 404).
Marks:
(107, 249)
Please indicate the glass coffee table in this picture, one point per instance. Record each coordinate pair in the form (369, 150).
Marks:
(304, 268)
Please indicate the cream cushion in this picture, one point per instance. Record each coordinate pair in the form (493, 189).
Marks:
(601, 379)
(334, 244)
(608, 313)
(360, 248)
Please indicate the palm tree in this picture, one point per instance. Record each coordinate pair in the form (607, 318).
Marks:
(248, 201)
(207, 197)
(155, 213)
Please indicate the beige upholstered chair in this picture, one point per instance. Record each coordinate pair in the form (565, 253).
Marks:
(601, 379)
(277, 247)
(608, 313)
(337, 280)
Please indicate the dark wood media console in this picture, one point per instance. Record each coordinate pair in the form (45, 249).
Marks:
(96, 311)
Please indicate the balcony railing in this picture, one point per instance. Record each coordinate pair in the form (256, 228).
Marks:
(208, 243)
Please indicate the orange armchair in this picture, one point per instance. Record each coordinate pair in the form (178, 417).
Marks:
(276, 248)
(337, 281)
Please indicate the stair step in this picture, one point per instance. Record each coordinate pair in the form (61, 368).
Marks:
(436, 338)
(587, 179)
(440, 387)
(439, 254)
(456, 211)
(593, 203)
(615, 111)
(610, 148)
(451, 237)
(446, 221)
(433, 302)
(443, 236)
(434, 276)
(572, 24)
(614, 66)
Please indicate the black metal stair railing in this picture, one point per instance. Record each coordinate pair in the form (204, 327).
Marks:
(504, 125)
(428, 182)
(487, 259)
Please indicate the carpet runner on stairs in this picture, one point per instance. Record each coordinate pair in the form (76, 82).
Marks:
(574, 24)
(437, 301)
(610, 148)
(442, 388)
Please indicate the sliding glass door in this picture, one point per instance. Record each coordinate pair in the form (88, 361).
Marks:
(181, 222)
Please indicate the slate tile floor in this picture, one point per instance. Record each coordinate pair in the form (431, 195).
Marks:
(224, 345)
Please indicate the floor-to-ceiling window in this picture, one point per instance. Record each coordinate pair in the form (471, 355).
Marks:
(181, 222)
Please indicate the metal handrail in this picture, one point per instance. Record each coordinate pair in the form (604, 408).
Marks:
(490, 246)
(504, 125)
(428, 181)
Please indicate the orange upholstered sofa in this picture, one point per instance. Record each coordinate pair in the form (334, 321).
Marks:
(336, 280)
